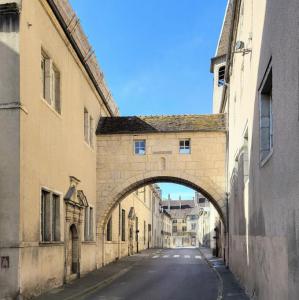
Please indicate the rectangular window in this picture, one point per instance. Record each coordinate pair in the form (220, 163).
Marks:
(123, 225)
(88, 224)
(50, 81)
(91, 133)
(185, 147)
(193, 226)
(50, 216)
(144, 232)
(86, 124)
(174, 221)
(43, 74)
(139, 147)
(266, 118)
(137, 230)
(184, 228)
(174, 229)
(109, 229)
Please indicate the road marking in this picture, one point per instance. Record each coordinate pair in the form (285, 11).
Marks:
(187, 256)
(156, 256)
(176, 256)
(164, 256)
(198, 257)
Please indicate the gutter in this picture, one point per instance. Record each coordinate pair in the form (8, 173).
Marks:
(78, 52)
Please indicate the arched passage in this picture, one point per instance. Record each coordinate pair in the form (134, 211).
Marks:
(206, 188)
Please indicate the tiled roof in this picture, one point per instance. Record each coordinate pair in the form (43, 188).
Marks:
(225, 31)
(151, 124)
(176, 203)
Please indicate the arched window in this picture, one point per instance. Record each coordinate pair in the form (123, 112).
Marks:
(221, 73)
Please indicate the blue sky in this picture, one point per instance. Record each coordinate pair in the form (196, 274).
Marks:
(155, 54)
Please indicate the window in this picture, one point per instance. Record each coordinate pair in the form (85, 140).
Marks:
(109, 229)
(123, 225)
(50, 80)
(193, 226)
(245, 158)
(221, 76)
(91, 129)
(139, 147)
(86, 133)
(137, 230)
(50, 216)
(174, 228)
(184, 228)
(174, 221)
(185, 146)
(88, 224)
(144, 232)
(266, 118)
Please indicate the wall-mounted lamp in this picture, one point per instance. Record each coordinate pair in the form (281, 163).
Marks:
(240, 48)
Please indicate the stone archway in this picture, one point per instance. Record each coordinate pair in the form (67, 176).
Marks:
(202, 185)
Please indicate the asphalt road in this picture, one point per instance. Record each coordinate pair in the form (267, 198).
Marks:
(168, 274)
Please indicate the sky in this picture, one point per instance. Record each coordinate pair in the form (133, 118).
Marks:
(155, 54)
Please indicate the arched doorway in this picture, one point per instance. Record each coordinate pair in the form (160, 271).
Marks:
(74, 249)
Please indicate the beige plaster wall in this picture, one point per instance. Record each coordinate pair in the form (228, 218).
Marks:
(45, 148)
(142, 204)
(263, 217)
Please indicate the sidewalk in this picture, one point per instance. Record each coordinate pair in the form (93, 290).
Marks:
(230, 288)
(93, 280)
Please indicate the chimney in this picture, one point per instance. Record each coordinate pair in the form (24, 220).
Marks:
(168, 201)
(180, 199)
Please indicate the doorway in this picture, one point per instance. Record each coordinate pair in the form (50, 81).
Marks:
(74, 249)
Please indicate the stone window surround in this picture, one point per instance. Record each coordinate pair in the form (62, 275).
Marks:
(60, 195)
(89, 132)
(263, 90)
(50, 97)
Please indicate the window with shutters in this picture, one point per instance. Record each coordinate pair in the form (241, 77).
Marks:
(221, 76)
(50, 82)
(50, 216)
(266, 118)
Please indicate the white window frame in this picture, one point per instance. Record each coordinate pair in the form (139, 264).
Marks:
(137, 143)
(183, 149)
(50, 82)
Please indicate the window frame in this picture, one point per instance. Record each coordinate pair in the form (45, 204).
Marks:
(266, 94)
(50, 82)
(184, 147)
(53, 229)
(134, 145)
(123, 225)
(109, 232)
(221, 82)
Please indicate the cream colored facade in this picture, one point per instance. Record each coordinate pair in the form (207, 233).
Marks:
(44, 149)
(137, 233)
(261, 98)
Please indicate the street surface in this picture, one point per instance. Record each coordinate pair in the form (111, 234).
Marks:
(166, 274)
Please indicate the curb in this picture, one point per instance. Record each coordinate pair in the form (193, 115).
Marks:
(220, 287)
(99, 285)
